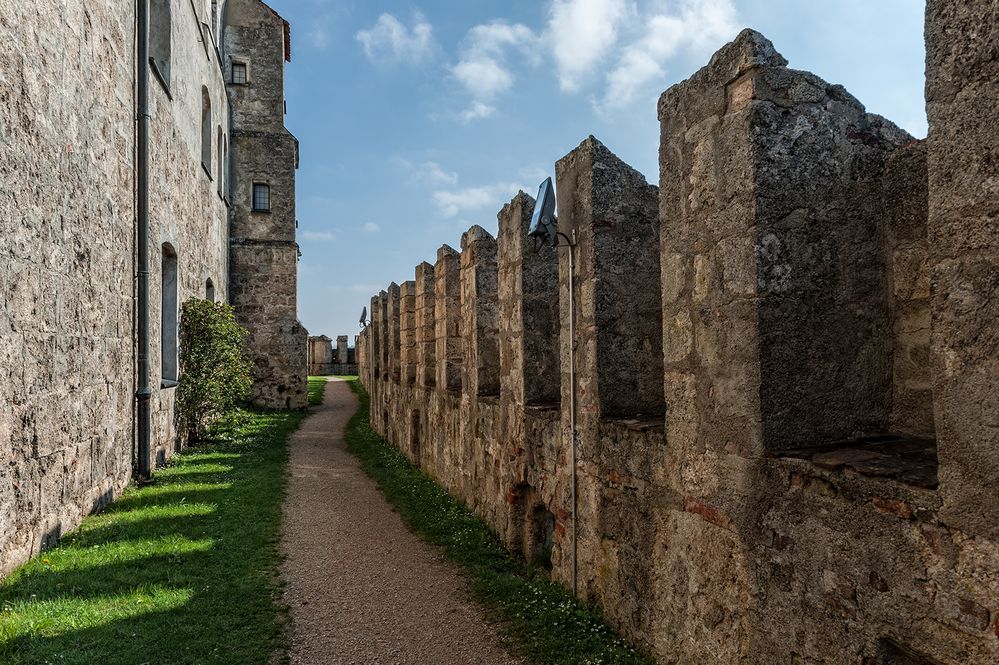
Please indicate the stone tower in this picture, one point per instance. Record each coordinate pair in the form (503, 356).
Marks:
(263, 252)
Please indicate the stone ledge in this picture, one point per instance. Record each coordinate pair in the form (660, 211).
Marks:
(908, 460)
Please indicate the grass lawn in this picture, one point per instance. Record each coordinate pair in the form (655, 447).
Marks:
(541, 619)
(317, 386)
(183, 570)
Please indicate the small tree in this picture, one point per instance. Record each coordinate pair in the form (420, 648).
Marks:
(215, 370)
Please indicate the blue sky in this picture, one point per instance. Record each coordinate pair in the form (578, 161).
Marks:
(418, 119)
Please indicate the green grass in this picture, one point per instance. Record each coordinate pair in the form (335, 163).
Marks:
(541, 619)
(183, 570)
(317, 386)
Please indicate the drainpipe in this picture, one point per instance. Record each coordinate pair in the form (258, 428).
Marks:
(143, 393)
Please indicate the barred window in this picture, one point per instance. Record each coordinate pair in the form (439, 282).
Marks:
(239, 73)
(261, 197)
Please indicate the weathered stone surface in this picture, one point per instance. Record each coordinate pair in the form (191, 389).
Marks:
(905, 199)
(393, 322)
(612, 213)
(962, 92)
(447, 308)
(344, 354)
(480, 326)
(426, 347)
(407, 331)
(528, 309)
(321, 356)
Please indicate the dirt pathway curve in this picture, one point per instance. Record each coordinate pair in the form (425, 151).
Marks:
(362, 589)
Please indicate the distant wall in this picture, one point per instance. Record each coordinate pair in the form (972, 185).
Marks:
(325, 360)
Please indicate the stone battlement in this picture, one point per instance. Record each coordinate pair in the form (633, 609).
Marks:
(325, 359)
(785, 399)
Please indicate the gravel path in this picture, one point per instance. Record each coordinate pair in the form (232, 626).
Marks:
(362, 589)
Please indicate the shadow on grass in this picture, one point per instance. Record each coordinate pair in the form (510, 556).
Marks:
(181, 571)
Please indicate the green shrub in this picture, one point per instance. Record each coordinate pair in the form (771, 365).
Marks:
(215, 370)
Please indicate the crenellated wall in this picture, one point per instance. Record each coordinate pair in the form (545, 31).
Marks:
(327, 360)
(766, 349)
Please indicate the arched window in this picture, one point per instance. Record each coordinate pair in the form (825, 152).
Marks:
(210, 289)
(221, 166)
(169, 331)
(159, 39)
(206, 130)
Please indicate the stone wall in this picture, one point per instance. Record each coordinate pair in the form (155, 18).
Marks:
(67, 247)
(188, 212)
(66, 214)
(962, 89)
(755, 345)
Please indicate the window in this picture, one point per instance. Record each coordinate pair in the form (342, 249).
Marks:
(239, 73)
(227, 176)
(168, 315)
(261, 197)
(206, 130)
(159, 40)
(221, 165)
(210, 290)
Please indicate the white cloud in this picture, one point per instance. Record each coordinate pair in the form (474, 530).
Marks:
(483, 69)
(454, 202)
(699, 26)
(319, 36)
(477, 111)
(484, 78)
(371, 227)
(390, 39)
(432, 174)
(319, 236)
(429, 174)
(582, 32)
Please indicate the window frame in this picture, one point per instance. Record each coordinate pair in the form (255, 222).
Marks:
(220, 166)
(161, 42)
(253, 196)
(246, 72)
(206, 131)
(169, 315)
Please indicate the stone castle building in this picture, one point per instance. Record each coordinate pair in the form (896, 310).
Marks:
(781, 381)
(221, 225)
